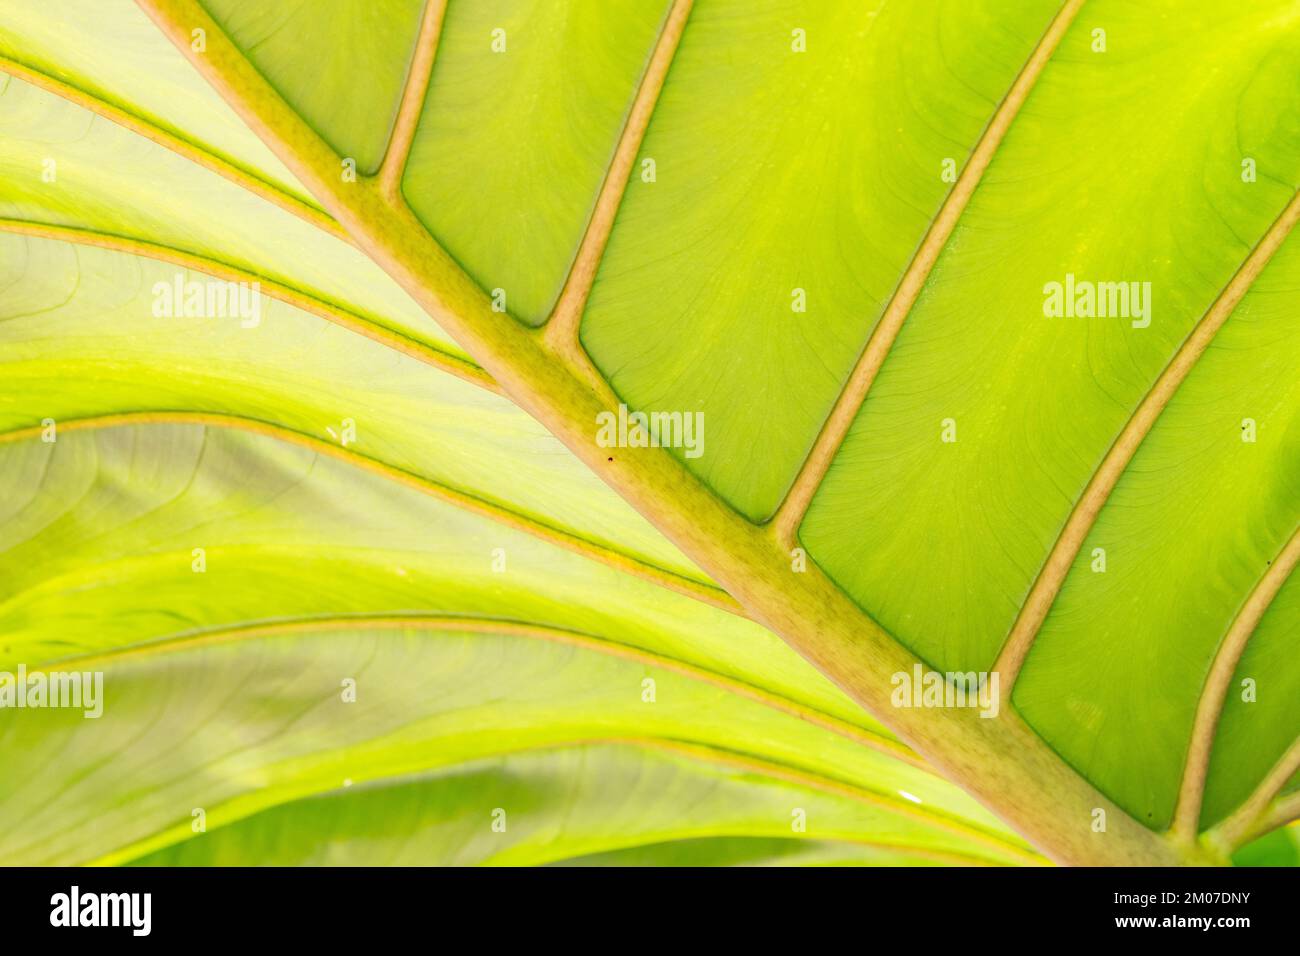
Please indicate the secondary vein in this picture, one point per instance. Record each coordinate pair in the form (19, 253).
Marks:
(1187, 813)
(291, 295)
(561, 330)
(252, 802)
(182, 147)
(1095, 495)
(393, 166)
(484, 625)
(468, 501)
(785, 523)
(1264, 809)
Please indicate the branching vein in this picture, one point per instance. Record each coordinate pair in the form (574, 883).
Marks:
(1187, 815)
(561, 331)
(785, 523)
(528, 629)
(298, 298)
(182, 147)
(412, 103)
(468, 501)
(1108, 474)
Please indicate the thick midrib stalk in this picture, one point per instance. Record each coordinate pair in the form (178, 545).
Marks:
(1108, 474)
(449, 494)
(182, 147)
(248, 804)
(290, 295)
(1000, 761)
(785, 523)
(1209, 708)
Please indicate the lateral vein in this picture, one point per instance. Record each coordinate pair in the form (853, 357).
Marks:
(1264, 809)
(1209, 707)
(393, 166)
(254, 801)
(832, 785)
(180, 146)
(561, 329)
(990, 758)
(485, 625)
(298, 298)
(484, 507)
(785, 523)
(1095, 495)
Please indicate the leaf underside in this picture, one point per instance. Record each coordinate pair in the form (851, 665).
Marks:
(1102, 509)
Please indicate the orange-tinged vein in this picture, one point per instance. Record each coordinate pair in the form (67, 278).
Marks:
(1265, 809)
(393, 166)
(785, 523)
(1103, 482)
(816, 781)
(1000, 761)
(561, 329)
(527, 629)
(1284, 810)
(321, 308)
(238, 175)
(1187, 814)
(495, 511)
(748, 763)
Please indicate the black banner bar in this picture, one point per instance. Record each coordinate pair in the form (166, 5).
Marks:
(337, 906)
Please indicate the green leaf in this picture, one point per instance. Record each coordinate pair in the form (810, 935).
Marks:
(295, 372)
(225, 689)
(1279, 848)
(354, 109)
(506, 72)
(591, 800)
(830, 230)
(824, 193)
